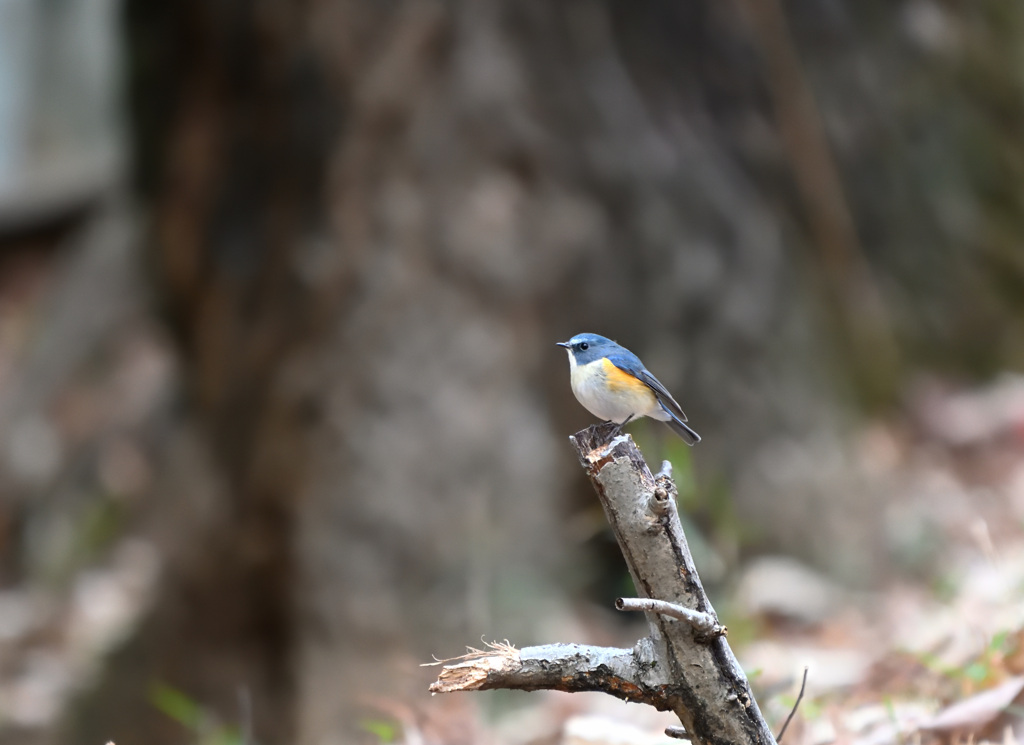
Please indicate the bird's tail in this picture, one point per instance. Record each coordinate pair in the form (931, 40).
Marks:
(682, 429)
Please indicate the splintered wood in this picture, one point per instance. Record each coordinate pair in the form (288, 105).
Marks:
(470, 671)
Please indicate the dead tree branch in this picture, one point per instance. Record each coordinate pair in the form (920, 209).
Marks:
(703, 623)
(687, 668)
(624, 673)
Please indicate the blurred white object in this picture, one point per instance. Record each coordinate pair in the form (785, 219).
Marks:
(976, 415)
(61, 136)
(782, 586)
(828, 668)
(597, 730)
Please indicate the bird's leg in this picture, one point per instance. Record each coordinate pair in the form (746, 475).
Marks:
(623, 423)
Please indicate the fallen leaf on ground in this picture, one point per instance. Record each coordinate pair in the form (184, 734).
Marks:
(977, 712)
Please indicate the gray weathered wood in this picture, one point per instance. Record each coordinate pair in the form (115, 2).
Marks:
(711, 695)
(704, 624)
(630, 674)
(685, 665)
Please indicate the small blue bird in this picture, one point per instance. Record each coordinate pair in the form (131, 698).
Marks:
(612, 384)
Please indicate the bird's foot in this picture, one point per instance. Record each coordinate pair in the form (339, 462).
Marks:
(614, 429)
(605, 432)
(620, 425)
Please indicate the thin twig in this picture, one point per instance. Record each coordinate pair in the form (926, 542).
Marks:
(799, 696)
(679, 733)
(705, 623)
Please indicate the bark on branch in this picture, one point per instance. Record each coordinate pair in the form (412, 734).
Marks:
(704, 624)
(574, 668)
(686, 667)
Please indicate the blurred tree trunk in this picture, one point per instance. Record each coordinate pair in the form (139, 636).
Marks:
(370, 222)
(234, 121)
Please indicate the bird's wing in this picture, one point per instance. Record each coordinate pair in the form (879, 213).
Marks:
(632, 364)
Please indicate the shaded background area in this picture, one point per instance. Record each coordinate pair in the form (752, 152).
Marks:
(279, 286)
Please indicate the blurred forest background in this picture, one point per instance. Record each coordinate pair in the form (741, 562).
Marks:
(281, 414)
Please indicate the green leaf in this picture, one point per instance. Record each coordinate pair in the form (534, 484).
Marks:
(976, 671)
(177, 705)
(383, 730)
(224, 736)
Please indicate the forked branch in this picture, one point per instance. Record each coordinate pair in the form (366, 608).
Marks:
(685, 664)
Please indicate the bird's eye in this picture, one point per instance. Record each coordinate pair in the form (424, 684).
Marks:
(584, 346)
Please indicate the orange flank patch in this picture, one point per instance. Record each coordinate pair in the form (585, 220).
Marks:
(620, 381)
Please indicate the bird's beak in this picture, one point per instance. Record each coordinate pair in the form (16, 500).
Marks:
(565, 344)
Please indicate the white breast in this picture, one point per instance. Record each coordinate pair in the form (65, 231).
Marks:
(589, 385)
